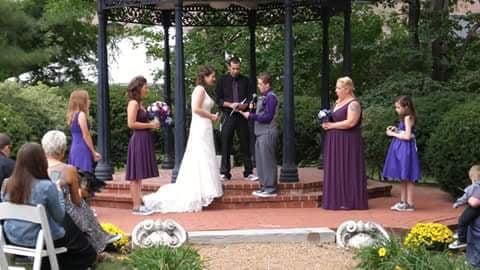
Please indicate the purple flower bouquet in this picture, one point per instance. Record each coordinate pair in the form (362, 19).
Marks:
(160, 111)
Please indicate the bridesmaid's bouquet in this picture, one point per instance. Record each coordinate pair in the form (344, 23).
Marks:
(324, 115)
(160, 111)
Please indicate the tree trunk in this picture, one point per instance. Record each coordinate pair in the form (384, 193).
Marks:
(413, 19)
(439, 14)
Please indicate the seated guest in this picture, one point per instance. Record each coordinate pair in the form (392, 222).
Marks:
(54, 144)
(29, 184)
(473, 234)
(6, 164)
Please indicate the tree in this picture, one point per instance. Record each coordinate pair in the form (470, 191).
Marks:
(49, 39)
(20, 42)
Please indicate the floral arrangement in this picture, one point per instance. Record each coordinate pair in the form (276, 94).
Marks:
(430, 235)
(120, 245)
(324, 115)
(393, 255)
(160, 111)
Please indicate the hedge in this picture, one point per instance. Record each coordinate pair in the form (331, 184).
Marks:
(453, 147)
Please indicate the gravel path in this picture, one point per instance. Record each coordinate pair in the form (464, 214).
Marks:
(276, 256)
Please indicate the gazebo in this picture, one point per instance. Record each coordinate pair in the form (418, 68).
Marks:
(245, 13)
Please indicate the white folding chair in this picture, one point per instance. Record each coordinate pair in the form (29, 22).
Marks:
(4, 263)
(34, 214)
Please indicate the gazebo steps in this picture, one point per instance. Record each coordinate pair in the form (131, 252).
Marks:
(237, 195)
(233, 187)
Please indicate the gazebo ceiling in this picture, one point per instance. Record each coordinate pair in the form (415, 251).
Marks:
(217, 13)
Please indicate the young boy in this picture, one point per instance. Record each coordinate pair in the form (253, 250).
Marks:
(469, 214)
(266, 137)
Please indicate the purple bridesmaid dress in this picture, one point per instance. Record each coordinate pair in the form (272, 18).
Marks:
(79, 155)
(141, 162)
(345, 181)
(402, 162)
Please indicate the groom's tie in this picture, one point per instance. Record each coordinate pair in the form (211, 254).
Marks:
(235, 90)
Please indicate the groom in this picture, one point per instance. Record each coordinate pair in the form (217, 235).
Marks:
(233, 96)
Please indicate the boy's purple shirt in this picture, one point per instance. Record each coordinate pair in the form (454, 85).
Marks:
(269, 105)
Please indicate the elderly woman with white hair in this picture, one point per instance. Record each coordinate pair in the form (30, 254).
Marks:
(54, 144)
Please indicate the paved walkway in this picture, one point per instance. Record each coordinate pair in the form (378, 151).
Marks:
(432, 204)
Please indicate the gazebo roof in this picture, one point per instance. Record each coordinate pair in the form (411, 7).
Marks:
(217, 12)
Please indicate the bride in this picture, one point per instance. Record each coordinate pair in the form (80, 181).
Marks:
(198, 181)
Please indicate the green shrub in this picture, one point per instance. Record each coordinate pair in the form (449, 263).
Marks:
(430, 111)
(413, 84)
(165, 258)
(14, 126)
(375, 121)
(391, 255)
(453, 147)
(307, 130)
(29, 112)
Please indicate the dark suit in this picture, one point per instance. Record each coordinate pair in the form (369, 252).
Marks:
(235, 123)
(6, 167)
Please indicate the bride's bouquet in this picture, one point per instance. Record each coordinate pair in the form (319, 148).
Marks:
(160, 111)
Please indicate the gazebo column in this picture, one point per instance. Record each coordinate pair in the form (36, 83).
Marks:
(179, 90)
(252, 25)
(168, 161)
(103, 170)
(325, 82)
(289, 172)
(347, 39)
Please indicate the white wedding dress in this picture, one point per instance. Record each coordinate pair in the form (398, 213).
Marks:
(198, 181)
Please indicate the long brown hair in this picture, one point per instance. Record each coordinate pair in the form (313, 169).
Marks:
(135, 87)
(202, 73)
(407, 103)
(31, 164)
(78, 101)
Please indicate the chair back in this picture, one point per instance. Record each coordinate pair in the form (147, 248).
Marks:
(33, 214)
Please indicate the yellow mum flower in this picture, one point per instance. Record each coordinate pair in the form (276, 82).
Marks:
(398, 268)
(428, 234)
(382, 252)
(120, 244)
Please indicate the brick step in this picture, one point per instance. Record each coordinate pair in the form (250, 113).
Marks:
(307, 200)
(230, 187)
(122, 199)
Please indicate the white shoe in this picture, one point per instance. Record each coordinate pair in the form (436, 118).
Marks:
(257, 193)
(457, 245)
(398, 206)
(142, 211)
(113, 238)
(267, 194)
(251, 177)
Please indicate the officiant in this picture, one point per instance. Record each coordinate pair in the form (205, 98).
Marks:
(233, 94)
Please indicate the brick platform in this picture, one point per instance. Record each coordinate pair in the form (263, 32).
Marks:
(237, 192)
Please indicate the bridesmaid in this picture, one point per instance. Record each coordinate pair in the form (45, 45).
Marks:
(345, 181)
(82, 153)
(141, 162)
